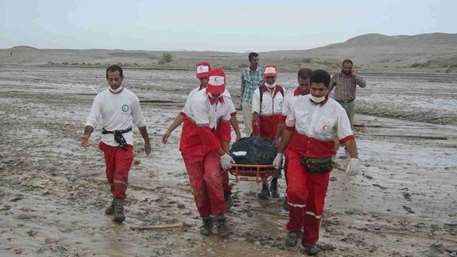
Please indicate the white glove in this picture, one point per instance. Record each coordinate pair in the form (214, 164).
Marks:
(226, 161)
(353, 167)
(277, 162)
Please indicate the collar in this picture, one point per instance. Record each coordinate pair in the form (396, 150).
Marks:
(298, 91)
(276, 89)
(117, 91)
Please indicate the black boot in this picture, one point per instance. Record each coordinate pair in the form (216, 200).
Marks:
(228, 200)
(292, 238)
(110, 209)
(118, 211)
(222, 229)
(207, 227)
(311, 249)
(274, 188)
(265, 193)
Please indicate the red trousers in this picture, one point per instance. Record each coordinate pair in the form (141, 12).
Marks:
(266, 126)
(306, 198)
(206, 180)
(226, 182)
(118, 162)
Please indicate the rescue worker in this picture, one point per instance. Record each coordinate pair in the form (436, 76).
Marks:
(267, 118)
(317, 120)
(116, 109)
(202, 71)
(204, 147)
(302, 88)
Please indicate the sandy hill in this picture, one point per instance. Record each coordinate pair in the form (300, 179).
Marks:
(434, 51)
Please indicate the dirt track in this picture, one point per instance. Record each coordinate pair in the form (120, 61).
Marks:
(53, 194)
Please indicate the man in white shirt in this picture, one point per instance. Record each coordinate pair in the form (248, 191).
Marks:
(268, 118)
(202, 73)
(303, 79)
(116, 109)
(204, 148)
(318, 121)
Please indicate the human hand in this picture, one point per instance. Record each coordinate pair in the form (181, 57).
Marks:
(277, 162)
(165, 137)
(84, 141)
(147, 148)
(226, 161)
(353, 167)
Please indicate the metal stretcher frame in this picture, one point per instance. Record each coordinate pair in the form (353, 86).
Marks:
(246, 171)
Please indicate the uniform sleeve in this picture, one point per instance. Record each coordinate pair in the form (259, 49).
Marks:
(344, 130)
(186, 109)
(285, 106)
(231, 108)
(290, 118)
(95, 112)
(138, 118)
(256, 101)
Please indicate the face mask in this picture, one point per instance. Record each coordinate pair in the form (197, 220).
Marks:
(270, 86)
(115, 91)
(317, 99)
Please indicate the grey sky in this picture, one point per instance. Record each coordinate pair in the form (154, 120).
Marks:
(233, 25)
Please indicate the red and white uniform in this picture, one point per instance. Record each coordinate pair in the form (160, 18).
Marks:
(206, 124)
(116, 112)
(288, 103)
(270, 111)
(317, 126)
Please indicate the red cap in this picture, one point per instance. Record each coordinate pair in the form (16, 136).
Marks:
(270, 71)
(216, 81)
(203, 69)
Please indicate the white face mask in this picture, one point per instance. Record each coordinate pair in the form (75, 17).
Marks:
(270, 86)
(317, 99)
(115, 91)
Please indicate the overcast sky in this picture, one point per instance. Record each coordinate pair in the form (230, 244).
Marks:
(232, 25)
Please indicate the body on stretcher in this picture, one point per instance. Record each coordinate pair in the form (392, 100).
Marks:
(254, 159)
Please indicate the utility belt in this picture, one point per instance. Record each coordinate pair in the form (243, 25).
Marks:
(346, 101)
(118, 137)
(317, 165)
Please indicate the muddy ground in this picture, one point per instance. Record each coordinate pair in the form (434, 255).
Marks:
(53, 194)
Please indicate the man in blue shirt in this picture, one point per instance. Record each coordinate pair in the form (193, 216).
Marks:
(251, 79)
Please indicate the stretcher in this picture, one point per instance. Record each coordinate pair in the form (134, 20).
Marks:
(247, 172)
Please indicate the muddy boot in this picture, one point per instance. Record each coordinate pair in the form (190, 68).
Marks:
(222, 228)
(228, 200)
(311, 249)
(292, 238)
(274, 188)
(207, 227)
(265, 193)
(110, 209)
(118, 211)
